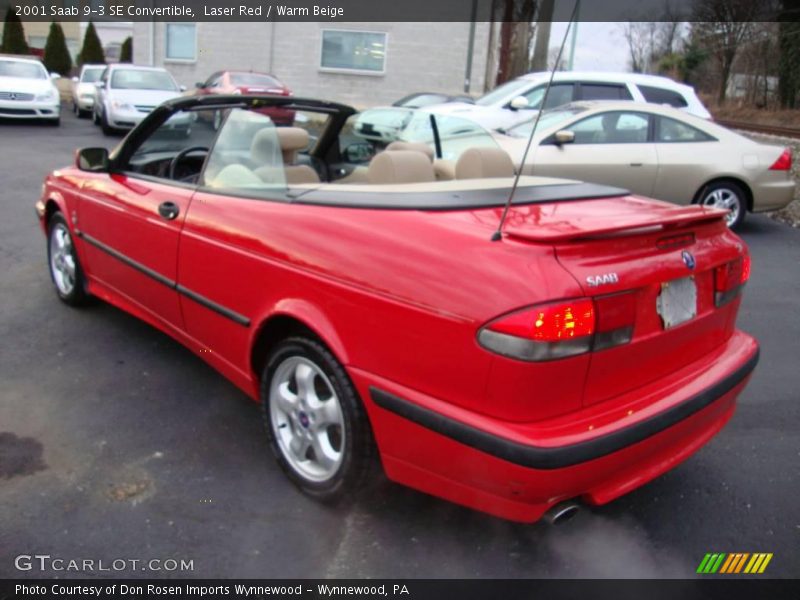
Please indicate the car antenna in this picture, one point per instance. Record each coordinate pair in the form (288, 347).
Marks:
(498, 234)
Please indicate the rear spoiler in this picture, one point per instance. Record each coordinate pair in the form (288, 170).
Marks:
(575, 228)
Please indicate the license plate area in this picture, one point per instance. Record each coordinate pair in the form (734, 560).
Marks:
(677, 301)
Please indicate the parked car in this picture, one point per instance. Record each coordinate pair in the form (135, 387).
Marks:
(250, 83)
(84, 90)
(657, 151)
(126, 94)
(420, 99)
(385, 320)
(383, 124)
(517, 100)
(27, 91)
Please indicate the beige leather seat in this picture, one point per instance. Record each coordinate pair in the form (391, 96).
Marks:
(415, 146)
(480, 163)
(292, 140)
(400, 166)
(265, 151)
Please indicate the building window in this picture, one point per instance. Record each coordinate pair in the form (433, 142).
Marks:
(181, 41)
(362, 51)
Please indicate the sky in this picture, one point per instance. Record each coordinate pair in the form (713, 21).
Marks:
(599, 46)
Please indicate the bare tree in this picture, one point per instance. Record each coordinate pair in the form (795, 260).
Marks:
(516, 33)
(540, 51)
(722, 27)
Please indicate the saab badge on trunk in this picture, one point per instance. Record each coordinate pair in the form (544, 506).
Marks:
(605, 278)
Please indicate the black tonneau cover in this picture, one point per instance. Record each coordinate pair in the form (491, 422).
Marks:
(454, 199)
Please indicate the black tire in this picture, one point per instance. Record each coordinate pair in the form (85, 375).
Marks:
(722, 193)
(357, 448)
(107, 129)
(77, 294)
(83, 114)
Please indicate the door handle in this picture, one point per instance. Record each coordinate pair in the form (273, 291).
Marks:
(168, 210)
(636, 164)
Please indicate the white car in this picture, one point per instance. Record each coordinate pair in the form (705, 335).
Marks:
(84, 90)
(27, 91)
(516, 101)
(126, 94)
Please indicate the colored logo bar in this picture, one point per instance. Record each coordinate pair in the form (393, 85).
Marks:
(734, 562)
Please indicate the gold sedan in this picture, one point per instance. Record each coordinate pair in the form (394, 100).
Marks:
(656, 151)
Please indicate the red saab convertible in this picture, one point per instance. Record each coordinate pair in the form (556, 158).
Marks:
(364, 304)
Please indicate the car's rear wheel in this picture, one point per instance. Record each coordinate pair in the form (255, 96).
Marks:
(316, 424)
(65, 269)
(726, 194)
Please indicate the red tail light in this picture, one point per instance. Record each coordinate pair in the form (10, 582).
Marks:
(784, 162)
(561, 329)
(730, 278)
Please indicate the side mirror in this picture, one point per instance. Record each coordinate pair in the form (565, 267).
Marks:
(94, 160)
(519, 103)
(182, 88)
(359, 152)
(55, 76)
(99, 85)
(75, 80)
(563, 137)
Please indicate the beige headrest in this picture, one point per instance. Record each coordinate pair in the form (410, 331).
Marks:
(415, 146)
(263, 147)
(292, 138)
(479, 163)
(400, 166)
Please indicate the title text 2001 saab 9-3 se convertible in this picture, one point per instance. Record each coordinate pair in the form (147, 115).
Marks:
(588, 350)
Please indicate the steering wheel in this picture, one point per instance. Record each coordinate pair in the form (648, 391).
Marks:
(173, 164)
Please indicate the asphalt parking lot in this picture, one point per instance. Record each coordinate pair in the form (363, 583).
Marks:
(117, 443)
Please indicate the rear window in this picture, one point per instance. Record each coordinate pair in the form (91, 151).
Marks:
(671, 130)
(658, 95)
(254, 80)
(604, 91)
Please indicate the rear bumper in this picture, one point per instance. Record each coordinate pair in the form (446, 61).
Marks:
(773, 195)
(518, 471)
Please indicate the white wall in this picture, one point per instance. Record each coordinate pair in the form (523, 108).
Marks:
(419, 57)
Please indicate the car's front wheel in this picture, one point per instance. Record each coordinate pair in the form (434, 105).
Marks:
(317, 426)
(65, 268)
(105, 126)
(726, 194)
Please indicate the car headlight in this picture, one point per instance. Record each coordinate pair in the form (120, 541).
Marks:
(49, 95)
(120, 105)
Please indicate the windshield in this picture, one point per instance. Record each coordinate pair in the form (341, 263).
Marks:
(254, 80)
(549, 119)
(25, 70)
(455, 134)
(500, 93)
(246, 156)
(92, 75)
(134, 79)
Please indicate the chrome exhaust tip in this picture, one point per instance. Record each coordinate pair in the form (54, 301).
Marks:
(561, 513)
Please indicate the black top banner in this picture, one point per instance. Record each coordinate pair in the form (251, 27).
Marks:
(377, 10)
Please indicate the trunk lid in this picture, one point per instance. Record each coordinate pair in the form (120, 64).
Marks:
(628, 244)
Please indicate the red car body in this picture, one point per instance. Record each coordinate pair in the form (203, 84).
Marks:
(252, 84)
(400, 297)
